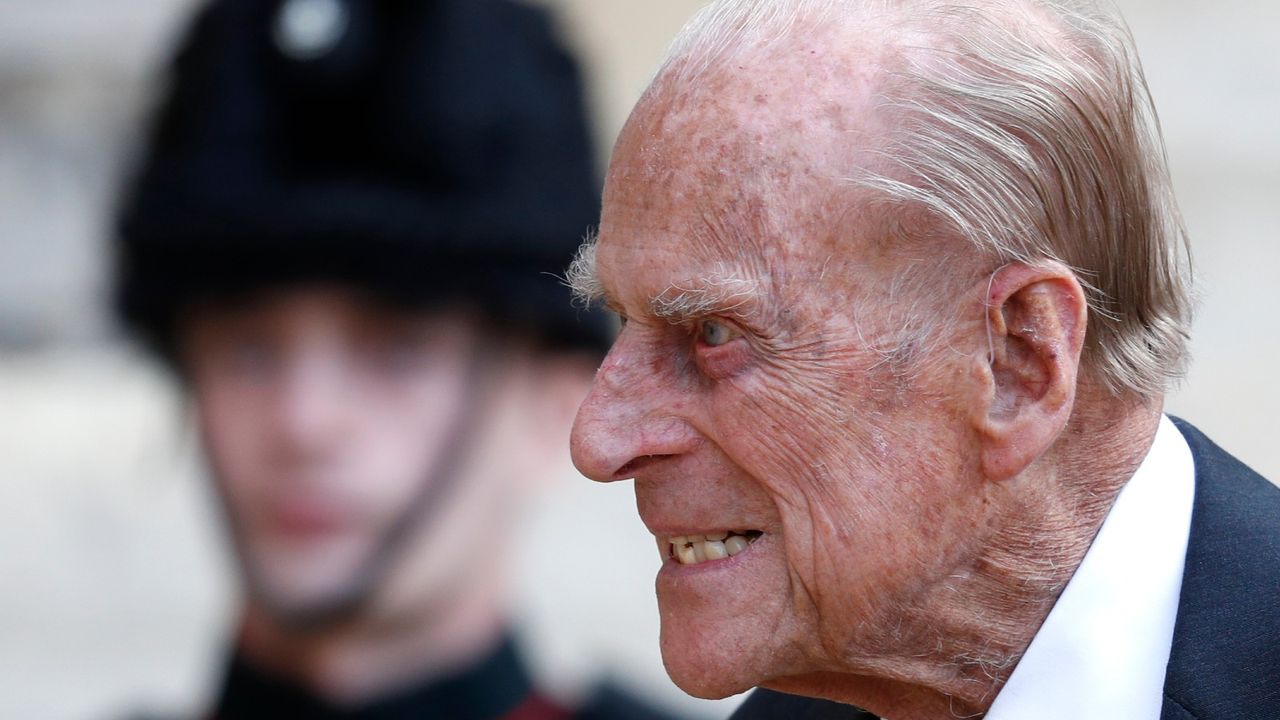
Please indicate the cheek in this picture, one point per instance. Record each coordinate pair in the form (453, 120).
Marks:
(794, 432)
(860, 486)
(236, 432)
(810, 451)
(397, 443)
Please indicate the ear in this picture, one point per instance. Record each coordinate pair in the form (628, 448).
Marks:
(1036, 318)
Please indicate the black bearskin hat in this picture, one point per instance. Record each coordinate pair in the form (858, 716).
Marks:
(426, 150)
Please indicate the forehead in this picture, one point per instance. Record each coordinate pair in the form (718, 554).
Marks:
(315, 305)
(741, 169)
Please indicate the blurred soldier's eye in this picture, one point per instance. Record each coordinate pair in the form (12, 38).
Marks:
(715, 333)
(402, 352)
(249, 356)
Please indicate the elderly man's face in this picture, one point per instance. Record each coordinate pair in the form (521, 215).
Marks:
(761, 393)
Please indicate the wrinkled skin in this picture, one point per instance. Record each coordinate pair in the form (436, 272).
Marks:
(906, 419)
(815, 423)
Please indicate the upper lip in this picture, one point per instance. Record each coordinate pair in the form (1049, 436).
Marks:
(665, 532)
(700, 501)
(669, 521)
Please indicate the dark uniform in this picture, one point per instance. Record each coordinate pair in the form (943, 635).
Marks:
(429, 152)
(497, 688)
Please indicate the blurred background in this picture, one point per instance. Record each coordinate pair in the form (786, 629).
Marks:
(117, 592)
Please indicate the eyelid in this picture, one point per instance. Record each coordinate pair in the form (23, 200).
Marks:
(613, 307)
(734, 321)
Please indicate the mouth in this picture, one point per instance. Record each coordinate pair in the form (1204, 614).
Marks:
(697, 549)
(308, 519)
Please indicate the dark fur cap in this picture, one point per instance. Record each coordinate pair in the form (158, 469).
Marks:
(427, 151)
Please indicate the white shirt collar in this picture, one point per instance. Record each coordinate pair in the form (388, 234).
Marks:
(1102, 651)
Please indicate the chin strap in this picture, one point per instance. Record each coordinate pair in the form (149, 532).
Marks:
(439, 481)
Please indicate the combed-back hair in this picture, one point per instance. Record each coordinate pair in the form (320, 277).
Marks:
(1025, 127)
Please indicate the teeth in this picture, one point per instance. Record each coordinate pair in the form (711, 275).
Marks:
(684, 553)
(714, 550)
(693, 549)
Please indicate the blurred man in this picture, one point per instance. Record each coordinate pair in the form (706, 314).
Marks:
(343, 239)
(904, 285)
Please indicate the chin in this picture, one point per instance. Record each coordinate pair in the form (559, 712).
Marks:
(308, 607)
(299, 591)
(708, 661)
(727, 626)
(708, 682)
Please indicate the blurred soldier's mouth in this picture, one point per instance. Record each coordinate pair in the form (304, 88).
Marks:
(308, 518)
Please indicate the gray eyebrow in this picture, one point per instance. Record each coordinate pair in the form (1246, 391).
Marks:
(581, 275)
(718, 292)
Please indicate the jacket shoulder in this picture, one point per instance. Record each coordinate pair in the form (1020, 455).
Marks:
(1225, 658)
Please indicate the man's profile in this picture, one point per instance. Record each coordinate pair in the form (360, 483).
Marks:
(903, 286)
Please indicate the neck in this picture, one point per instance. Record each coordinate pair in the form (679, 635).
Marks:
(956, 647)
(362, 658)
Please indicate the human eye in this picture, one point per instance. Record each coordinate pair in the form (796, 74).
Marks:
(618, 315)
(402, 350)
(715, 333)
(716, 348)
(248, 355)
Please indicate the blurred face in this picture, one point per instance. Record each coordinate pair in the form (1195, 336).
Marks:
(327, 419)
(806, 480)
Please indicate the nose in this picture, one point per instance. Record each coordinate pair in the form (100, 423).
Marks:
(312, 405)
(632, 417)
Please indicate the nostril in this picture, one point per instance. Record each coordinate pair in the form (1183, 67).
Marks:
(635, 465)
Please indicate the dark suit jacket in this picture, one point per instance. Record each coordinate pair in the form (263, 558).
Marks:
(1225, 661)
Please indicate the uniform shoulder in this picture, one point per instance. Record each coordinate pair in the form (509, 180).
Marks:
(610, 702)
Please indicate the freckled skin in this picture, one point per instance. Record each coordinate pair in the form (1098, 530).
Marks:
(923, 496)
(865, 505)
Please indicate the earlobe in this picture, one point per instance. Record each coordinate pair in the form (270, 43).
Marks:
(1035, 322)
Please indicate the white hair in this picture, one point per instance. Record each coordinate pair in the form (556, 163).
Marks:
(1025, 127)
(580, 277)
(721, 29)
